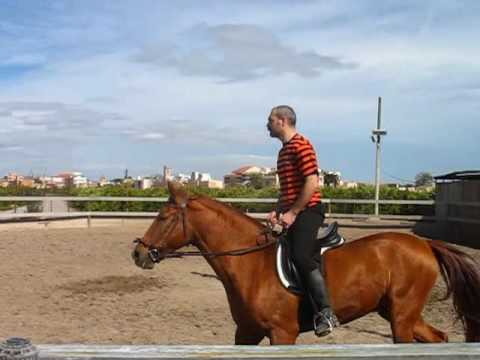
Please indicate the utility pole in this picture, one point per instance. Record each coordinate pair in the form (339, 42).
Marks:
(376, 138)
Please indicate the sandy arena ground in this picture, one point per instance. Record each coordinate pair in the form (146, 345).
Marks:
(65, 283)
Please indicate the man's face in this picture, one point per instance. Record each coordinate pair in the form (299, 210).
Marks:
(275, 125)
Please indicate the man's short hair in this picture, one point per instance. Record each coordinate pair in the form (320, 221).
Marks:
(286, 112)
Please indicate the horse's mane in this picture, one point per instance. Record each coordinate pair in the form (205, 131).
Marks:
(226, 210)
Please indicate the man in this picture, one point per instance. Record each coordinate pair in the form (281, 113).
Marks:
(299, 209)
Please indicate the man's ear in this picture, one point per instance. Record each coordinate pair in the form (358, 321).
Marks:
(178, 194)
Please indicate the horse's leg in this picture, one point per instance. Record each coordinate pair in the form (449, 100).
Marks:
(247, 337)
(402, 324)
(424, 332)
(280, 336)
(406, 301)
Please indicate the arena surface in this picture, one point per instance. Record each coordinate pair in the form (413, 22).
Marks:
(66, 283)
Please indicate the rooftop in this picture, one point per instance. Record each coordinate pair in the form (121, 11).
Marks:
(460, 175)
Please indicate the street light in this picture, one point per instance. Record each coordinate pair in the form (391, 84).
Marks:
(376, 138)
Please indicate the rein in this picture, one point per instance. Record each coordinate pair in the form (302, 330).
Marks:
(156, 256)
(236, 252)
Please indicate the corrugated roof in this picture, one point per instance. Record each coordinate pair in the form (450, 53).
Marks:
(460, 175)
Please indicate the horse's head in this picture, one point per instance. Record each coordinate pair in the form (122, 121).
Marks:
(169, 231)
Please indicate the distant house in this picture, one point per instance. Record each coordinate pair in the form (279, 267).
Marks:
(28, 181)
(212, 184)
(246, 174)
(4, 182)
(205, 180)
(73, 179)
(103, 181)
(146, 183)
(349, 184)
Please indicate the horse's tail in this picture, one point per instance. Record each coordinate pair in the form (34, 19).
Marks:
(462, 276)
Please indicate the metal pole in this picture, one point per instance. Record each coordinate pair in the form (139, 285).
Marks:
(377, 158)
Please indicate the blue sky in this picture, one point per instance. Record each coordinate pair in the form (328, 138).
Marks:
(100, 86)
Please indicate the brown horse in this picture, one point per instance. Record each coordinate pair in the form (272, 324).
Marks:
(389, 273)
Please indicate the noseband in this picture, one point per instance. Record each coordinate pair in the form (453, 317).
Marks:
(156, 256)
(153, 252)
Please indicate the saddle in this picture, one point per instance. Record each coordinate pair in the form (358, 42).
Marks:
(328, 238)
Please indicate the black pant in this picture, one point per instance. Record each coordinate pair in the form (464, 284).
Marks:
(302, 240)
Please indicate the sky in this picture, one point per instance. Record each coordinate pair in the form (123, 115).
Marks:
(101, 86)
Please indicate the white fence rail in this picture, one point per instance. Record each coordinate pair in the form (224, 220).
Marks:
(229, 200)
(66, 212)
(321, 352)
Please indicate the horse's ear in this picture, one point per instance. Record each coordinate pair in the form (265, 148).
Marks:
(178, 194)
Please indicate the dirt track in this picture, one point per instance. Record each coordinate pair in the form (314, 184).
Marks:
(79, 285)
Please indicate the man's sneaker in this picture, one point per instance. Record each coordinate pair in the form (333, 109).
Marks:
(324, 322)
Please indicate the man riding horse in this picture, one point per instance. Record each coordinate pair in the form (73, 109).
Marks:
(300, 210)
(389, 273)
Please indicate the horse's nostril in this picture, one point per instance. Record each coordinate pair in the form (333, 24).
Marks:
(136, 254)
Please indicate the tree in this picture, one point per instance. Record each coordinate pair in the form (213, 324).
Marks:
(423, 179)
(331, 179)
(257, 181)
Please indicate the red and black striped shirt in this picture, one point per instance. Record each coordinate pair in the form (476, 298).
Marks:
(296, 161)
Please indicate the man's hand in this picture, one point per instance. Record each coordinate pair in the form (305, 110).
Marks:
(288, 218)
(272, 217)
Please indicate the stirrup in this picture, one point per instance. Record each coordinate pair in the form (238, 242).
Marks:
(324, 322)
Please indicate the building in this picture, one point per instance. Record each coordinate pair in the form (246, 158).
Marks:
(407, 187)
(205, 177)
(73, 179)
(79, 180)
(246, 174)
(14, 178)
(146, 183)
(349, 184)
(198, 178)
(167, 174)
(92, 183)
(103, 181)
(50, 182)
(195, 176)
(212, 184)
(139, 182)
(182, 178)
(457, 206)
(28, 181)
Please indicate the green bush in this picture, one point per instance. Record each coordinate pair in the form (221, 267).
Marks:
(20, 191)
(362, 192)
(386, 193)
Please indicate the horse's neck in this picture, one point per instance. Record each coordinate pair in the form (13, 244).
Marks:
(214, 234)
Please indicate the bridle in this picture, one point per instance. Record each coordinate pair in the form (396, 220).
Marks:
(156, 256)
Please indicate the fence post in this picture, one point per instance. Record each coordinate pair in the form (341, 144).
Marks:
(89, 221)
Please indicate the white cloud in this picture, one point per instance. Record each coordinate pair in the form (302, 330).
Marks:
(62, 118)
(151, 136)
(13, 148)
(236, 52)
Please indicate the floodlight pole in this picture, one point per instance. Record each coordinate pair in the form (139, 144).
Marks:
(376, 138)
